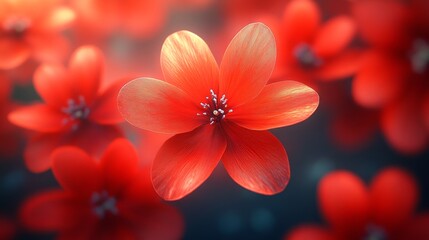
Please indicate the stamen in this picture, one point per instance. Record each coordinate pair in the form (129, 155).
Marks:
(215, 108)
(103, 204)
(420, 56)
(76, 111)
(306, 57)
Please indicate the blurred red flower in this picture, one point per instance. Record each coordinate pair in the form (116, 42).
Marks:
(310, 50)
(385, 210)
(218, 113)
(9, 135)
(30, 29)
(107, 199)
(7, 229)
(76, 111)
(394, 72)
(138, 18)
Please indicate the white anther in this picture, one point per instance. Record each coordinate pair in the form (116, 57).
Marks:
(230, 110)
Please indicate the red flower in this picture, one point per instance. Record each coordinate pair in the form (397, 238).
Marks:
(218, 113)
(30, 29)
(76, 111)
(106, 199)
(9, 139)
(385, 210)
(7, 229)
(310, 50)
(394, 72)
(138, 18)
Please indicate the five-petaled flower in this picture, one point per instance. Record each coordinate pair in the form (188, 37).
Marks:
(311, 50)
(107, 199)
(77, 110)
(218, 113)
(385, 210)
(30, 29)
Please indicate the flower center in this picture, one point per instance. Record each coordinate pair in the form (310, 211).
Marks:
(374, 233)
(102, 204)
(77, 110)
(306, 57)
(214, 109)
(420, 56)
(16, 26)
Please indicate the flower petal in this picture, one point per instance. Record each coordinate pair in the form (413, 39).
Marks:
(309, 232)
(119, 165)
(75, 170)
(13, 53)
(301, 20)
(279, 104)
(158, 222)
(86, 67)
(53, 84)
(247, 64)
(38, 117)
(48, 46)
(418, 228)
(188, 64)
(334, 36)
(403, 126)
(394, 196)
(104, 109)
(382, 23)
(380, 79)
(58, 19)
(348, 212)
(256, 160)
(186, 160)
(157, 106)
(92, 138)
(344, 65)
(49, 211)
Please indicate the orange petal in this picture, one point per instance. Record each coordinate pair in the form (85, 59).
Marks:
(157, 106)
(309, 232)
(75, 170)
(348, 212)
(38, 117)
(404, 127)
(279, 104)
(85, 68)
(13, 53)
(344, 65)
(53, 84)
(188, 64)
(186, 160)
(394, 196)
(256, 160)
(334, 36)
(380, 79)
(247, 64)
(301, 20)
(58, 19)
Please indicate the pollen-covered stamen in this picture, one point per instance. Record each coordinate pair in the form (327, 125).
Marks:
(76, 110)
(306, 56)
(102, 204)
(214, 108)
(374, 232)
(420, 56)
(16, 26)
